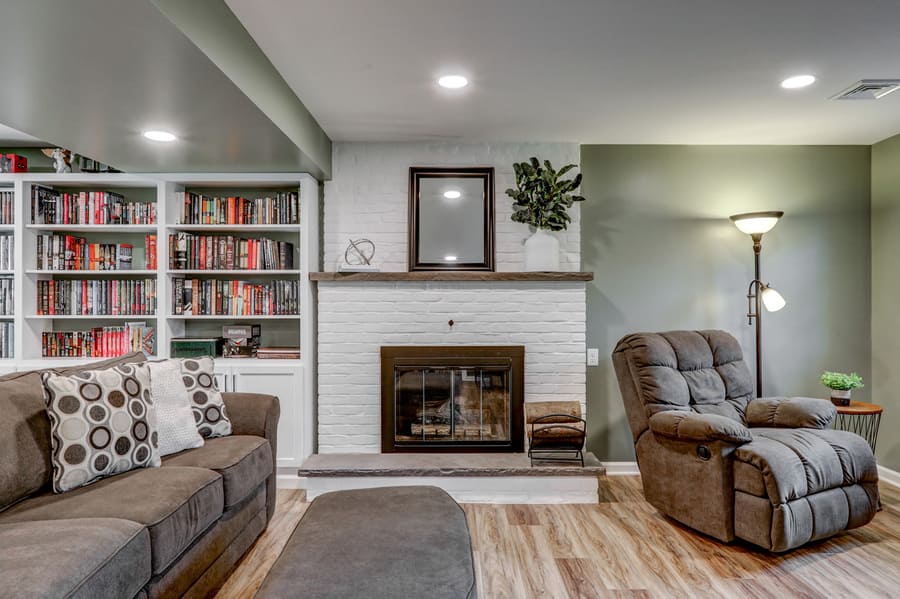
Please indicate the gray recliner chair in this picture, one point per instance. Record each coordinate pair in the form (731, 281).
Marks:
(769, 471)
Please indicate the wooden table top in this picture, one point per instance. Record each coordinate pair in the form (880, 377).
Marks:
(860, 408)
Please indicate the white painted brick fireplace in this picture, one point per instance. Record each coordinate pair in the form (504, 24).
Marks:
(356, 319)
(368, 197)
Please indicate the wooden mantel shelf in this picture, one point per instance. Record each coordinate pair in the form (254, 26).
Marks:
(449, 275)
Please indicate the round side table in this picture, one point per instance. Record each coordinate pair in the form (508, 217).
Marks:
(860, 418)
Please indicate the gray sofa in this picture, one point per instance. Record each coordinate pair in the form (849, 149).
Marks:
(769, 471)
(172, 531)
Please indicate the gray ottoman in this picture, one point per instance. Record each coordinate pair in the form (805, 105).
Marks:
(386, 543)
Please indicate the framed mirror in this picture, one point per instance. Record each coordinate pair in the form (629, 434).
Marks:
(451, 218)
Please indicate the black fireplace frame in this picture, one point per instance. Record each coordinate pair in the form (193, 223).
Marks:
(425, 356)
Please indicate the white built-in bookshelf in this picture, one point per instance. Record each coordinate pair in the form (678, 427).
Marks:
(285, 277)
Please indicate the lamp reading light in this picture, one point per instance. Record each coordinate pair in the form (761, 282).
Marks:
(772, 300)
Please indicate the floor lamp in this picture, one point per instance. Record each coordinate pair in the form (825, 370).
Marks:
(755, 224)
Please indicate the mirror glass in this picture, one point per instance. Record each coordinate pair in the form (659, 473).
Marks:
(451, 219)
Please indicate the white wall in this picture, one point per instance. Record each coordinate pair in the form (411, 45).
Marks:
(356, 319)
(368, 196)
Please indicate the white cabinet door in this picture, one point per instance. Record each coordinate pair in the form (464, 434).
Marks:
(287, 384)
(223, 379)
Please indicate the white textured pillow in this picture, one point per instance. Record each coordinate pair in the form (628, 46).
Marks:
(175, 418)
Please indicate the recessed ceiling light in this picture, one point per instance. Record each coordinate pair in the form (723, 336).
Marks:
(450, 258)
(453, 81)
(157, 135)
(452, 194)
(798, 81)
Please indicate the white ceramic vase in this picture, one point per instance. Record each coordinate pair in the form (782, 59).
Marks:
(542, 252)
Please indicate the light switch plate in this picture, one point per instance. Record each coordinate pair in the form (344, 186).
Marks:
(593, 356)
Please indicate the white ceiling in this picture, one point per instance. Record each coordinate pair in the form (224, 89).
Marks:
(590, 71)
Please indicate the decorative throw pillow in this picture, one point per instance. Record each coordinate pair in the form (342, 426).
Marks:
(206, 401)
(174, 415)
(102, 422)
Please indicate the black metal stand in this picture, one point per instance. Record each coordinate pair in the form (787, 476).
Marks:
(566, 438)
(864, 425)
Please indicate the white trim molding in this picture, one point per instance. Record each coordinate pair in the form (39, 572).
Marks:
(886, 475)
(621, 468)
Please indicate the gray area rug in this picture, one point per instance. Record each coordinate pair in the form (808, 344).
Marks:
(386, 543)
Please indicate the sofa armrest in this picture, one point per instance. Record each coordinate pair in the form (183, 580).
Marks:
(257, 414)
(791, 412)
(691, 426)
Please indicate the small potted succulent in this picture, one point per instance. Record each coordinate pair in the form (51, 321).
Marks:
(541, 199)
(841, 385)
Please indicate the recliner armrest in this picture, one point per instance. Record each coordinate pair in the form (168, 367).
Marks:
(791, 412)
(691, 426)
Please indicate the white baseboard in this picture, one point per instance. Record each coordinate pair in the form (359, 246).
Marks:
(475, 489)
(886, 475)
(289, 481)
(621, 468)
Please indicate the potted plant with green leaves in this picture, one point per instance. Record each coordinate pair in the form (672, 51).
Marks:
(542, 199)
(841, 385)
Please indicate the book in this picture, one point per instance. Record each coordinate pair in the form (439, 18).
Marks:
(278, 353)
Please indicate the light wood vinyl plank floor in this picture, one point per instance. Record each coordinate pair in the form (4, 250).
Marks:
(624, 548)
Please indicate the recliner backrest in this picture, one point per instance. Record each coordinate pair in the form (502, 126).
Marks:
(703, 371)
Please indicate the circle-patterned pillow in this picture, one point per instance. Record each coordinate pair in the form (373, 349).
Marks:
(103, 422)
(206, 400)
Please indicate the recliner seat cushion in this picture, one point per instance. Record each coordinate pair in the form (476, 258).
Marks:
(175, 504)
(77, 559)
(243, 461)
(790, 464)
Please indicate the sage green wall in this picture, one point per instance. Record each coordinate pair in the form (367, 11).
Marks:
(656, 233)
(885, 382)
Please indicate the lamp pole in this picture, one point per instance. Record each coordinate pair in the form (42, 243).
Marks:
(757, 248)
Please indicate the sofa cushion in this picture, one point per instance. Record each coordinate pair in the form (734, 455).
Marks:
(174, 415)
(244, 462)
(25, 430)
(175, 504)
(24, 438)
(103, 422)
(76, 559)
(791, 464)
(206, 400)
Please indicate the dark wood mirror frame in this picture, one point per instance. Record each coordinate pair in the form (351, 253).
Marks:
(416, 174)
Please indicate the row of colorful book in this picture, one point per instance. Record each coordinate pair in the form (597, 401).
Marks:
(281, 208)
(52, 207)
(7, 252)
(6, 339)
(188, 251)
(68, 252)
(7, 305)
(96, 297)
(7, 199)
(99, 342)
(235, 298)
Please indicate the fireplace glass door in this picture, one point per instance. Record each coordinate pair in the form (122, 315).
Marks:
(452, 398)
(451, 404)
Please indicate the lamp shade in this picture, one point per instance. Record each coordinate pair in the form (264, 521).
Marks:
(756, 223)
(772, 300)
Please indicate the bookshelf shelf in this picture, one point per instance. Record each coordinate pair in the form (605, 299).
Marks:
(238, 317)
(95, 228)
(214, 272)
(7, 228)
(236, 228)
(87, 274)
(7, 272)
(89, 317)
(7, 317)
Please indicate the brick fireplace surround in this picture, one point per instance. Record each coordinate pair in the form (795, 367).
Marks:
(357, 318)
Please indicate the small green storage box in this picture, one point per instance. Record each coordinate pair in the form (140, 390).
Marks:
(196, 347)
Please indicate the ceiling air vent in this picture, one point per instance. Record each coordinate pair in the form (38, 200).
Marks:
(868, 89)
